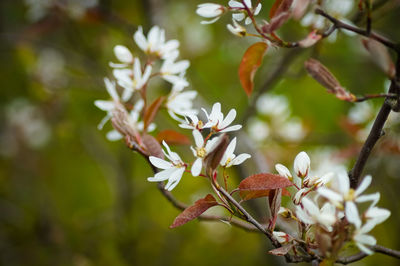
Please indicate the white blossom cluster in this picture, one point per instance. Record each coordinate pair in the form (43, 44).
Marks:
(240, 12)
(327, 203)
(174, 167)
(133, 77)
(274, 120)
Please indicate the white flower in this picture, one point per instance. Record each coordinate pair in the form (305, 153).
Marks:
(316, 181)
(361, 113)
(217, 122)
(210, 10)
(276, 106)
(229, 159)
(192, 122)
(237, 29)
(132, 80)
(310, 214)
(108, 106)
(373, 216)
(236, 5)
(200, 151)
(123, 55)
(302, 164)
(174, 72)
(155, 43)
(258, 130)
(341, 193)
(283, 171)
(172, 171)
(181, 103)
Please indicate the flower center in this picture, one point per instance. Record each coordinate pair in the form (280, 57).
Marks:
(201, 152)
(350, 195)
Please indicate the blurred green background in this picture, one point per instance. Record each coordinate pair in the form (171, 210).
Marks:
(70, 197)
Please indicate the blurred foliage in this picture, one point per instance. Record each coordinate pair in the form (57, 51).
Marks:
(70, 197)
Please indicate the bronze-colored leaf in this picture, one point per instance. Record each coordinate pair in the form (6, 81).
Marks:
(172, 137)
(380, 56)
(151, 111)
(282, 251)
(194, 211)
(251, 61)
(279, 7)
(152, 146)
(259, 185)
(214, 157)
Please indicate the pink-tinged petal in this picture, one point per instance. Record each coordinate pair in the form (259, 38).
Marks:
(196, 167)
(228, 119)
(352, 214)
(107, 106)
(198, 138)
(160, 163)
(364, 185)
(240, 159)
(231, 128)
(330, 195)
(123, 54)
(140, 39)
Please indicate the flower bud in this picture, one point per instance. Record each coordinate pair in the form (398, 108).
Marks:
(282, 237)
(237, 29)
(302, 164)
(283, 171)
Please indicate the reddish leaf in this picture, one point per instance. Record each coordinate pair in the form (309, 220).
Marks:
(259, 185)
(151, 111)
(214, 157)
(194, 211)
(279, 7)
(152, 146)
(274, 200)
(172, 137)
(282, 251)
(311, 39)
(251, 61)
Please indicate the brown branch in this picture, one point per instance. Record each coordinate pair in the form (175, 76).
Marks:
(341, 25)
(361, 255)
(373, 96)
(181, 206)
(376, 131)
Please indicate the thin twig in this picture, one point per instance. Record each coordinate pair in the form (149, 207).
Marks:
(341, 25)
(361, 255)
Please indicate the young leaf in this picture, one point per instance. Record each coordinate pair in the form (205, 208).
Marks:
(152, 146)
(214, 157)
(324, 77)
(251, 61)
(311, 39)
(279, 7)
(380, 56)
(282, 251)
(151, 111)
(172, 137)
(274, 200)
(259, 185)
(194, 211)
